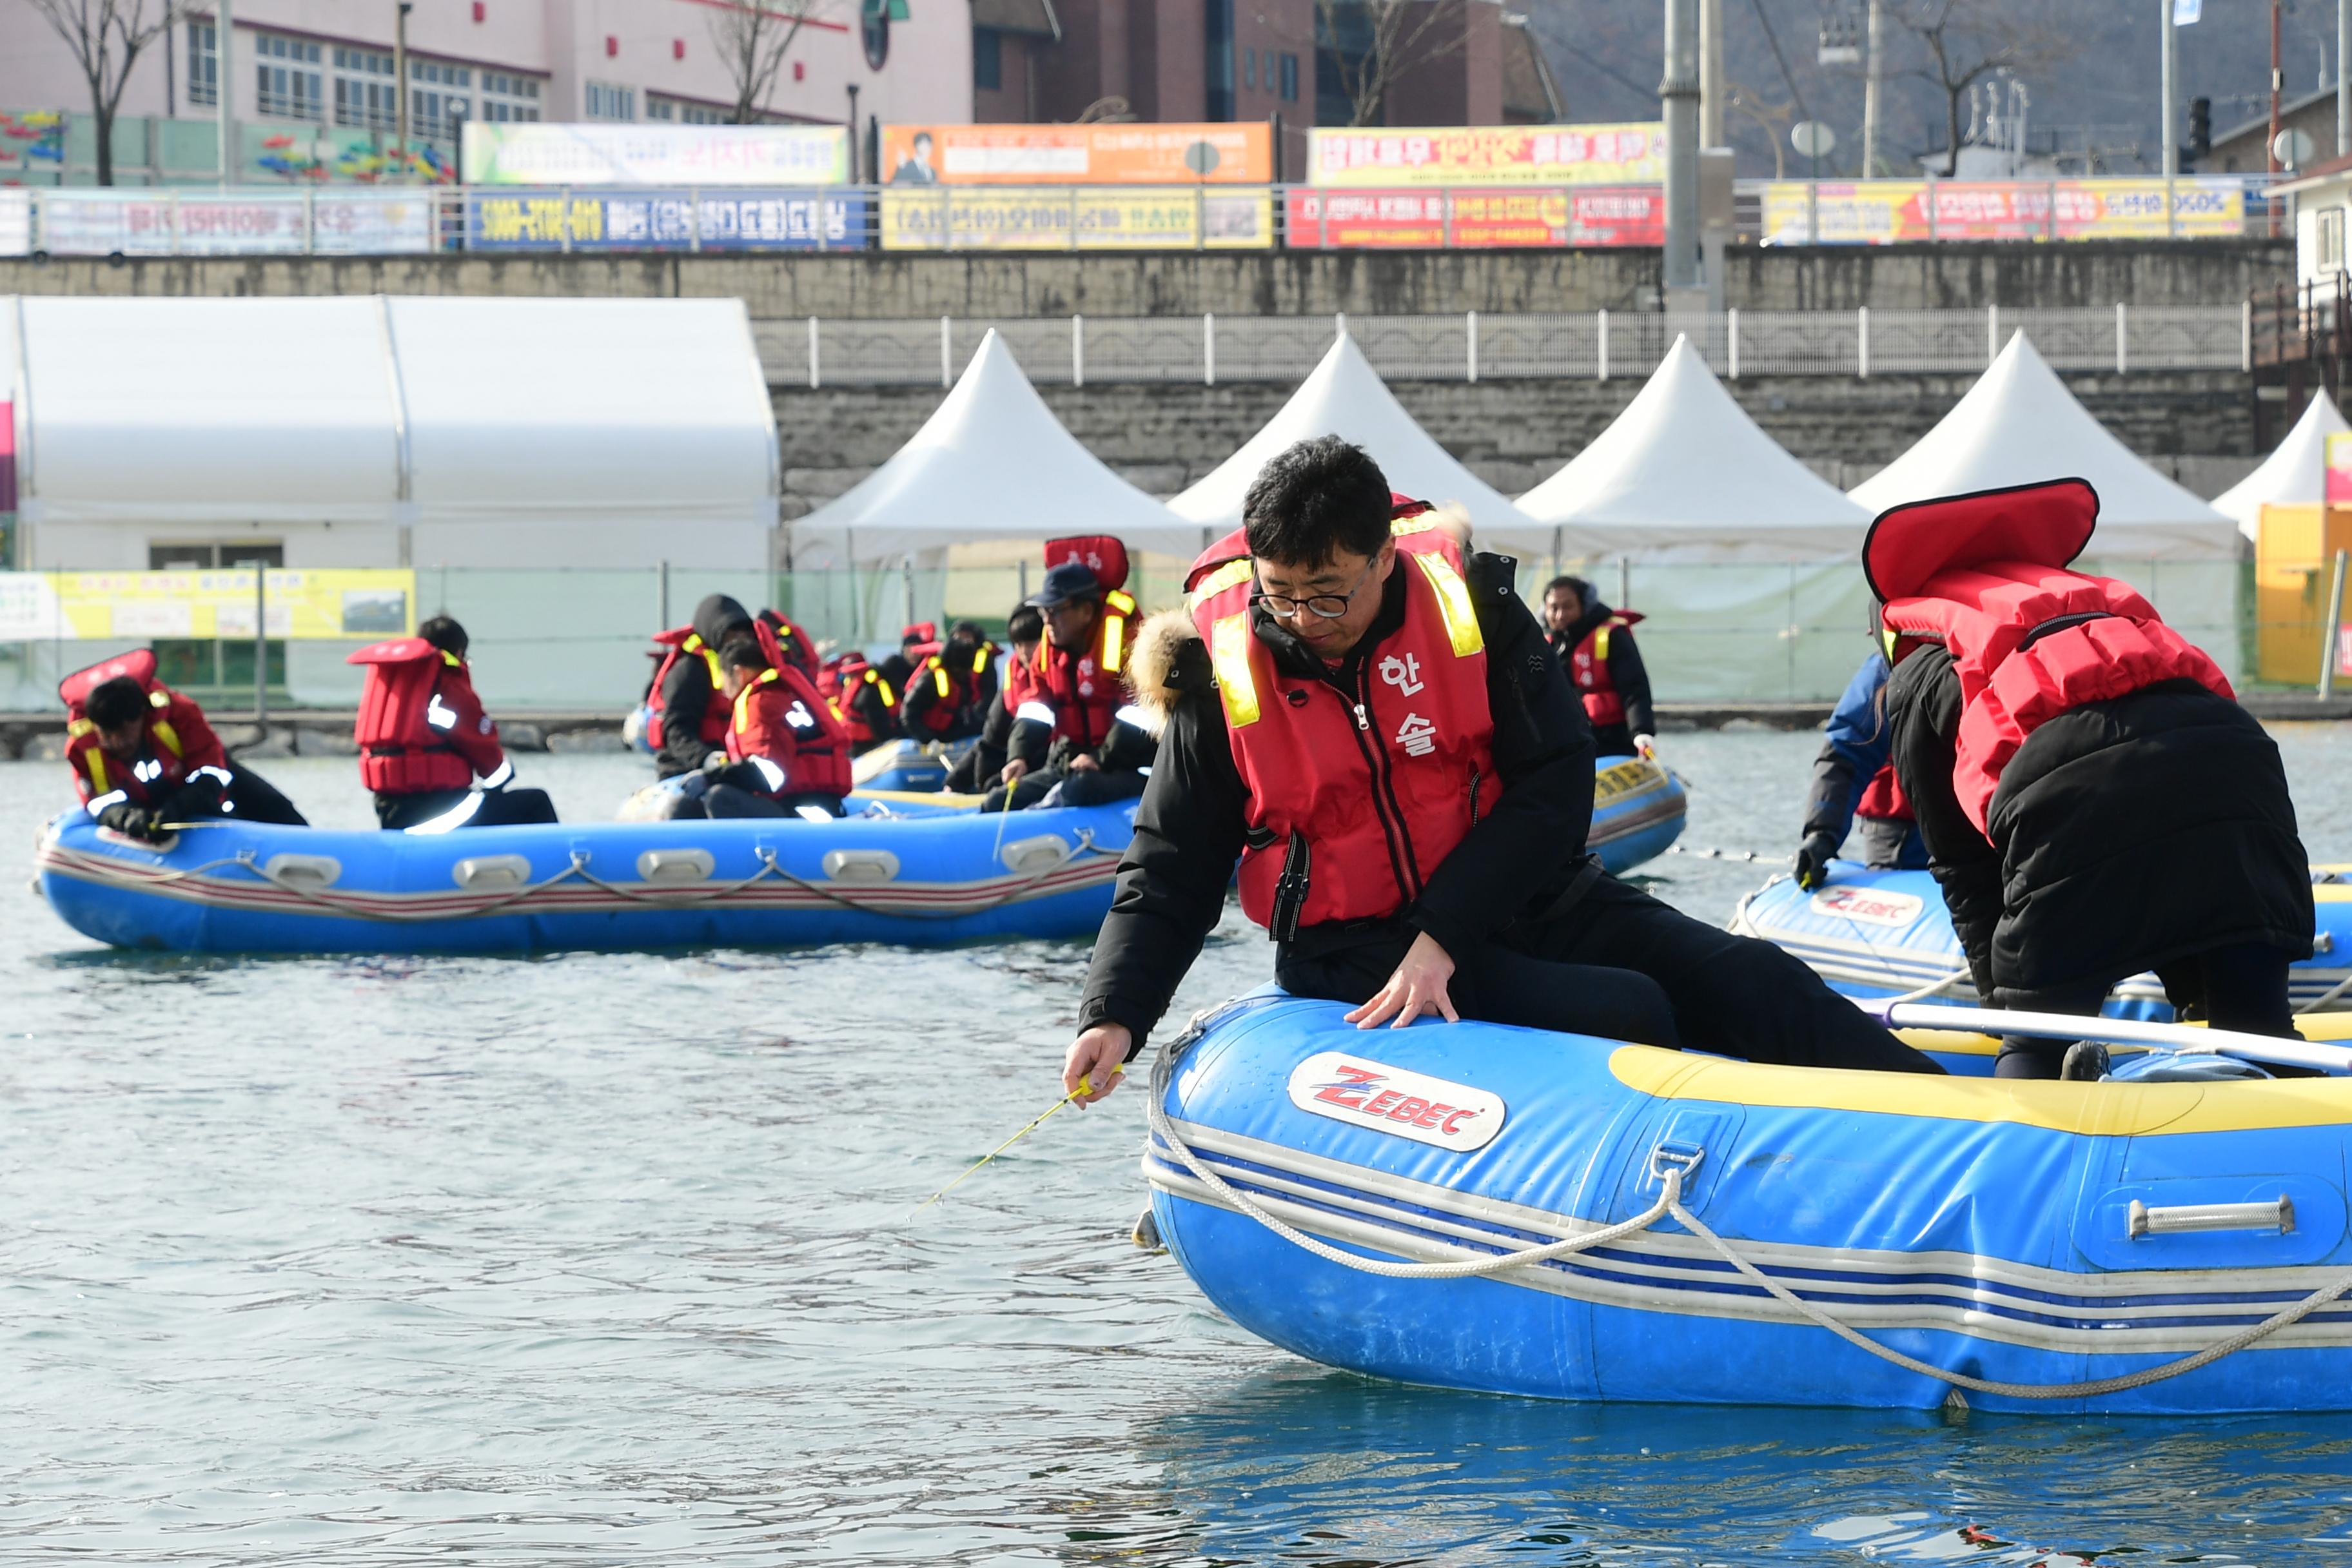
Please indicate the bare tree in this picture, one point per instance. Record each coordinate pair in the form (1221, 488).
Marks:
(106, 37)
(1773, 118)
(1395, 36)
(1966, 40)
(753, 37)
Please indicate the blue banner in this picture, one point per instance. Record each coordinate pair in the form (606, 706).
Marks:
(668, 220)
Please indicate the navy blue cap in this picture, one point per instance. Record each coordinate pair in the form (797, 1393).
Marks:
(1070, 580)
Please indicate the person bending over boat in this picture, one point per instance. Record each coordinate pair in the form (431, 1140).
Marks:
(1855, 782)
(1024, 629)
(950, 694)
(687, 714)
(2093, 800)
(144, 758)
(1071, 737)
(787, 752)
(1595, 646)
(1368, 718)
(423, 738)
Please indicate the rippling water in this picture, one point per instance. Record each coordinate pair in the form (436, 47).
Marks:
(609, 1260)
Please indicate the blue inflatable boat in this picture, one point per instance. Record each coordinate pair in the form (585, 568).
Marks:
(1474, 1206)
(1887, 933)
(911, 873)
(1638, 809)
(911, 766)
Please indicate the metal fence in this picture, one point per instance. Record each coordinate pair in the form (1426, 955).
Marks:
(1481, 346)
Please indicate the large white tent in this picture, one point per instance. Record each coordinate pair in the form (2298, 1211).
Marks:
(1345, 396)
(377, 431)
(991, 462)
(2019, 425)
(2292, 476)
(1683, 475)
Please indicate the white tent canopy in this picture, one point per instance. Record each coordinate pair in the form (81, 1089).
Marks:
(1345, 396)
(2019, 425)
(1683, 474)
(991, 462)
(503, 432)
(2292, 476)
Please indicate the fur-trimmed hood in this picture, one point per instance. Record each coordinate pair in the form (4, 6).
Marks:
(1157, 643)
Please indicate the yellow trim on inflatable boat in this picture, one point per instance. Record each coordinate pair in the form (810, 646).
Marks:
(919, 797)
(2109, 1109)
(2331, 894)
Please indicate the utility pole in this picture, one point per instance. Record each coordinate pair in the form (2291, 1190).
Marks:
(2168, 71)
(400, 89)
(2269, 149)
(1679, 93)
(1871, 58)
(2343, 87)
(1710, 73)
(224, 51)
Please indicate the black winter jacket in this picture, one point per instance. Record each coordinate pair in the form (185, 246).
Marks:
(1521, 855)
(2125, 834)
(686, 693)
(1626, 670)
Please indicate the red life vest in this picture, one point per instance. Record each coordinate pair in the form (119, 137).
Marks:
(1588, 670)
(797, 648)
(685, 642)
(1352, 804)
(1086, 688)
(1883, 797)
(781, 716)
(410, 684)
(1100, 553)
(845, 685)
(179, 741)
(953, 694)
(2030, 642)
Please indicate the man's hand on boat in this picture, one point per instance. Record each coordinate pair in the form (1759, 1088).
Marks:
(1418, 986)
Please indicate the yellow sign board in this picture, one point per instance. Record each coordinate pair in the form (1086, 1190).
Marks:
(1885, 212)
(1078, 218)
(338, 603)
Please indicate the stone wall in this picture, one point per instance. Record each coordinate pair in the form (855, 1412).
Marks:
(875, 285)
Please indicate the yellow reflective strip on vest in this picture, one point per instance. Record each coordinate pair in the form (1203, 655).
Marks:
(743, 700)
(940, 679)
(159, 699)
(452, 661)
(94, 761)
(166, 733)
(80, 727)
(1600, 643)
(889, 698)
(1223, 578)
(1229, 641)
(1453, 603)
(1114, 642)
(1419, 522)
(1119, 603)
(979, 659)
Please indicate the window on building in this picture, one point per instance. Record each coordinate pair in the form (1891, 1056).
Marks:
(987, 58)
(363, 89)
(1290, 79)
(203, 63)
(288, 78)
(606, 101)
(1219, 59)
(505, 96)
(439, 97)
(873, 30)
(2331, 237)
(213, 666)
(1249, 67)
(678, 111)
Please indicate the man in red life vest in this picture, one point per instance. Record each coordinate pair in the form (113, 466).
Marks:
(423, 738)
(787, 754)
(1075, 737)
(2093, 800)
(1368, 718)
(916, 644)
(143, 757)
(948, 695)
(687, 708)
(1025, 628)
(1595, 645)
(865, 703)
(1854, 785)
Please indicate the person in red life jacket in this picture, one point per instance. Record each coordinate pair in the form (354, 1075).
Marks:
(687, 713)
(798, 648)
(1855, 784)
(1366, 716)
(865, 703)
(948, 696)
(916, 644)
(1068, 697)
(787, 754)
(977, 769)
(1595, 645)
(143, 756)
(2093, 800)
(423, 738)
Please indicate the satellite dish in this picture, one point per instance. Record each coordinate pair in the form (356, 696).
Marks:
(2292, 148)
(1815, 139)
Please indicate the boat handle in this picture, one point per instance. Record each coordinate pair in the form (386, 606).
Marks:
(2278, 1216)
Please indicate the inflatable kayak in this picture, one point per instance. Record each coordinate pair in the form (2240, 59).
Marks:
(909, 873)
(912, 766)
(1474, 1206)
(1638, 809)
(1887, 933)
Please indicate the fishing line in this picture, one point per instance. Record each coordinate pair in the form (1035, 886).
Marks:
(1085, 1085)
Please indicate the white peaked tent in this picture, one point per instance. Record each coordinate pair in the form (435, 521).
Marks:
(1683, 474)
(1345, 396)
(991, 462)
(2019, 425)
(2288, 476)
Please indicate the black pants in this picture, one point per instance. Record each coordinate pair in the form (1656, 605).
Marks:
(1087, 786)
(499, 807)
(1497, 985)
(2242, 987)
(253, 798)
(1614, 739)
(976, 771)
(726, 800)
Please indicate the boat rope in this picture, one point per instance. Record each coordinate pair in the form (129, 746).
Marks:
(1671, 1166)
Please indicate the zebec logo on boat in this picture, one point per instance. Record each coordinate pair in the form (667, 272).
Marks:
(1871, 906)
(1432, 1111)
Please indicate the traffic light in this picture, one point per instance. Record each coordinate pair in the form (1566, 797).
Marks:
(2201, 127)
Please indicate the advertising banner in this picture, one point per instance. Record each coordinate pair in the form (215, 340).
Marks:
(15, 223)
(2339, 467)
(92, 222)
(1421, 220)
(949, 218)
(1885, 212)
(350, 604)
(1629, 155)
(1226, 154)
(666, 220)
(516, 152)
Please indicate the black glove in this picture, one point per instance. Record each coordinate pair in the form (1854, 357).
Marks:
(131, 821)
(1813, 857)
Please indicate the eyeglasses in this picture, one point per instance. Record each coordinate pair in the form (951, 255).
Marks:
(1330, 606)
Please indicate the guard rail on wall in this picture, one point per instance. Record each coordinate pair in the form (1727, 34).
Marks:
(1482, 347)
(352, 220)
